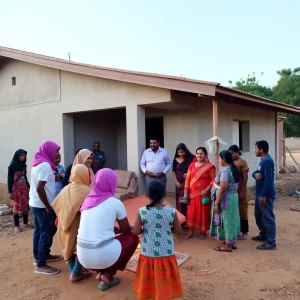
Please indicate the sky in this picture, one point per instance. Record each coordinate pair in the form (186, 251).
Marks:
(207, 40)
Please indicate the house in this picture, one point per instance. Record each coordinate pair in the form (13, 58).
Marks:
(74, 104)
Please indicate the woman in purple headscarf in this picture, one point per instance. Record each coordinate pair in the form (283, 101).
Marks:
(97, 246)
(42, 194)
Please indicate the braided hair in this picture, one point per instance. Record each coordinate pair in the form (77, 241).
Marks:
(156, 192)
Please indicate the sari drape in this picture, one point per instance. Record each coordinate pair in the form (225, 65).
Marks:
(197, 180)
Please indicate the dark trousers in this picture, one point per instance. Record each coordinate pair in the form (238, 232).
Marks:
(265, 219)
(43, 234)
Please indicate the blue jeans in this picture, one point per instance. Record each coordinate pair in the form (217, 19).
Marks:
(40, 235)
(265, 219)
(44, 230)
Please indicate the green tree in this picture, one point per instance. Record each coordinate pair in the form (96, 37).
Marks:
(287, 91)
(251, 85)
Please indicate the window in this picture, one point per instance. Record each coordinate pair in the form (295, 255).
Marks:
(13, 81)
(241, 135)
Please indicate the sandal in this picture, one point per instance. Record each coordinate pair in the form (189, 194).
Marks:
(104, 287)
(18, 230)
(258, 238)
(48, 271)
(221, 250)
(54, 258)
(266, 247)
(233, 247)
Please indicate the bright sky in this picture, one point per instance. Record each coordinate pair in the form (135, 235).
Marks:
(208, 40)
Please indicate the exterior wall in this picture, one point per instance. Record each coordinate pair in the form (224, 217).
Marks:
(293, 143)
(85, 93)
(194, 128)
(23, 111)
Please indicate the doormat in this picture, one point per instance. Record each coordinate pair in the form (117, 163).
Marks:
(132, 264)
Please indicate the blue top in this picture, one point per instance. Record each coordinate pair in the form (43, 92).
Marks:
(98, 161)
(265, 187)
(59, 184)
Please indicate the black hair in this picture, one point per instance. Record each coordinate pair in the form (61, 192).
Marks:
(203, 149)
(235, 149)
(77, 151)
(184, 148)
(155, 138)
(156, 191)
(227, 156)
(264, 145)
(96, 143)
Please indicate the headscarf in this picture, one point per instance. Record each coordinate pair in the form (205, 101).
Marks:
(81, 158)
(68, 202)
(16, 165)
(46, 153)
(106, 182)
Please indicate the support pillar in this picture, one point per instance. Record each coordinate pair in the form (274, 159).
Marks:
(135, 132)
(215, 132)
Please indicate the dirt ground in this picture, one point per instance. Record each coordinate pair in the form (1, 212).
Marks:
(244, 274)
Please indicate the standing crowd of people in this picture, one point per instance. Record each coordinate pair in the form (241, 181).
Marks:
(92, 228)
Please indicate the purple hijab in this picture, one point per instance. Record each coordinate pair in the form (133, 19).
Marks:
(46, 153)
(106, 182)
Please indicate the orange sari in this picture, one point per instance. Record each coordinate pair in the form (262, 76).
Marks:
(197, 180)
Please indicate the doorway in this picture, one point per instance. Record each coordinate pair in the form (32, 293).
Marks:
(155, 128)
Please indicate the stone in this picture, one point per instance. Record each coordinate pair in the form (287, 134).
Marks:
(5, 210)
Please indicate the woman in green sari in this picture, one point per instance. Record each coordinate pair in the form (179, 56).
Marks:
(225, 223)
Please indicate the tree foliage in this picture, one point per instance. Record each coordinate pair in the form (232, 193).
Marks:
(287, 90)
(251, 85)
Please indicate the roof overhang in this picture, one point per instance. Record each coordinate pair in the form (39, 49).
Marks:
(239, 97)
(142, 78)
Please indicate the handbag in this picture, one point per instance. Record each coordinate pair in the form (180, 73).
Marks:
(217, 219)
(205, 200)
(182, 200)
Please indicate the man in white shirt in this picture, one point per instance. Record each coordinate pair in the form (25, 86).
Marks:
(42, 194)
(155, 163)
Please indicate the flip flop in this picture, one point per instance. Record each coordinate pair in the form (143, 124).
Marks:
(233, 247)
(221, 250)
(49, 271)
(104, 287)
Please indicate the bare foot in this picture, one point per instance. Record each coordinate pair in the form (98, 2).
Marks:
(79, 277)
(106, 278)
(190, 234)
(18, 229)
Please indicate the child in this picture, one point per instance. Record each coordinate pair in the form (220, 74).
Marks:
(157, 275)
(59, 174)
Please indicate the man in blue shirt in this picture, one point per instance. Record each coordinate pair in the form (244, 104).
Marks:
(265, 196)
(99, 158)
(59, 174)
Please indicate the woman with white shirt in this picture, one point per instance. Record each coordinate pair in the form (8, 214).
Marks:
(97, 246)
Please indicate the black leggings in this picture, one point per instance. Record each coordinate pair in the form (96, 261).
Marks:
(17, 219)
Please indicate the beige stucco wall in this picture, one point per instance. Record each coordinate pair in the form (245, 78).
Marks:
(30, 111)
(84, 93)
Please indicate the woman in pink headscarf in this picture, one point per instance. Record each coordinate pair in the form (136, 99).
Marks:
(97, 246)
(42, 195)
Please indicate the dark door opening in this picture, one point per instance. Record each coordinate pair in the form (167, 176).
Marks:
(155, 128)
